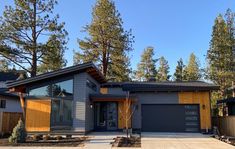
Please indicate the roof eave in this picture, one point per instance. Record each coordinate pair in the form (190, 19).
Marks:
(100, 78)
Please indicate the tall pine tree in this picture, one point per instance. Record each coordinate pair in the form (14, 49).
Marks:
(178, 75)
(192, 71)
(54, 59)
(108, 43)
(163, 71)
(26, 30)
(220, 54)
(146, 69)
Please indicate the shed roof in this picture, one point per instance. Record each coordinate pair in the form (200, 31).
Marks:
(88, 67)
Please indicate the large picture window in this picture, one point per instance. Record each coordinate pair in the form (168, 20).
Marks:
(41, 91)
(63, 89)
(59, 89)
(61, 112)
(61, 94)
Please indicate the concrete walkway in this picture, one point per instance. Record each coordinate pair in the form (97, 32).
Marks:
(101, 140)
(181, 141)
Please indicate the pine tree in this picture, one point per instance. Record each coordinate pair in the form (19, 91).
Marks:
(108, 43)
(220, 54)
(120, 69)
(146, 69)
(192, 71)
(18, 134)
(178, 75)
(54, 59)
(163, 71)
(26, 30)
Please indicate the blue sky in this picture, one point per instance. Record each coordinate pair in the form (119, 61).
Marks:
(174, 28)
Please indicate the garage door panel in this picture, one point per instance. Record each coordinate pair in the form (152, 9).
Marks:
(170, 118)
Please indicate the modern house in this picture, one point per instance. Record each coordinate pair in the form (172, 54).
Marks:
(79, 99)
(9, 102)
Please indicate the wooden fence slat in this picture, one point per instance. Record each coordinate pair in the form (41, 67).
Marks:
(226, 125)
(9, 121)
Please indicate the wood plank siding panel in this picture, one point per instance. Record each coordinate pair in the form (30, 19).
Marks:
(38, 115)
(9, 121)
(201, 98)
(122, 115)
(104, 90)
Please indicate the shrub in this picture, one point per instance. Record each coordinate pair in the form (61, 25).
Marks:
(19, 134)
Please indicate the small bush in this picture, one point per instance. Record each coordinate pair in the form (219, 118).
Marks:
(19, 134)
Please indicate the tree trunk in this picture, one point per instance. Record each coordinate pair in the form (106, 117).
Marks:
(34, 50)
(104, 63)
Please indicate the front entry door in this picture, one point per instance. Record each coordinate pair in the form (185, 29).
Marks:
(106, 116)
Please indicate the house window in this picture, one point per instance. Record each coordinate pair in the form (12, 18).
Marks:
(54, 89)
(91, 85)
(2, 103)
(61, 113)
(41, 91)
(63, 89)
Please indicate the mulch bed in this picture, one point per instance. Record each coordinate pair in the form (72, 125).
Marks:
(127, 142)
(75, 141)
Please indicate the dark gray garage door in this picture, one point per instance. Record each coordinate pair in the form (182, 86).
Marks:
(170, 118)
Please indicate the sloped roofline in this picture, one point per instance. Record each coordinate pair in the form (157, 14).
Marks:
(88, 67)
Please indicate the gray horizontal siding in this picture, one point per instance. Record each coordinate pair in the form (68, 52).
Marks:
(89, 110)
(152, 98)
(79, 102)
(83, 119)
(12, 104)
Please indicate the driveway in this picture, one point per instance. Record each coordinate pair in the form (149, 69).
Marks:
(102, 140)
(181, 141)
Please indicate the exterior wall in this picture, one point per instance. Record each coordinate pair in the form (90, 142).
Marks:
(12, 104)
(89, 110)
(203, 99)
(79, 95)
(151, 98)
(116, 91)
(3, 84)
(83, 118)
(38, 115)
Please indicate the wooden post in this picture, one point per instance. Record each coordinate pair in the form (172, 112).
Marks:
(126, 114)
(22, 103)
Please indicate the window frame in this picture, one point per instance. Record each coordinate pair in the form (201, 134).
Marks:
(49, 83)
(3, 103)
(91, 85)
